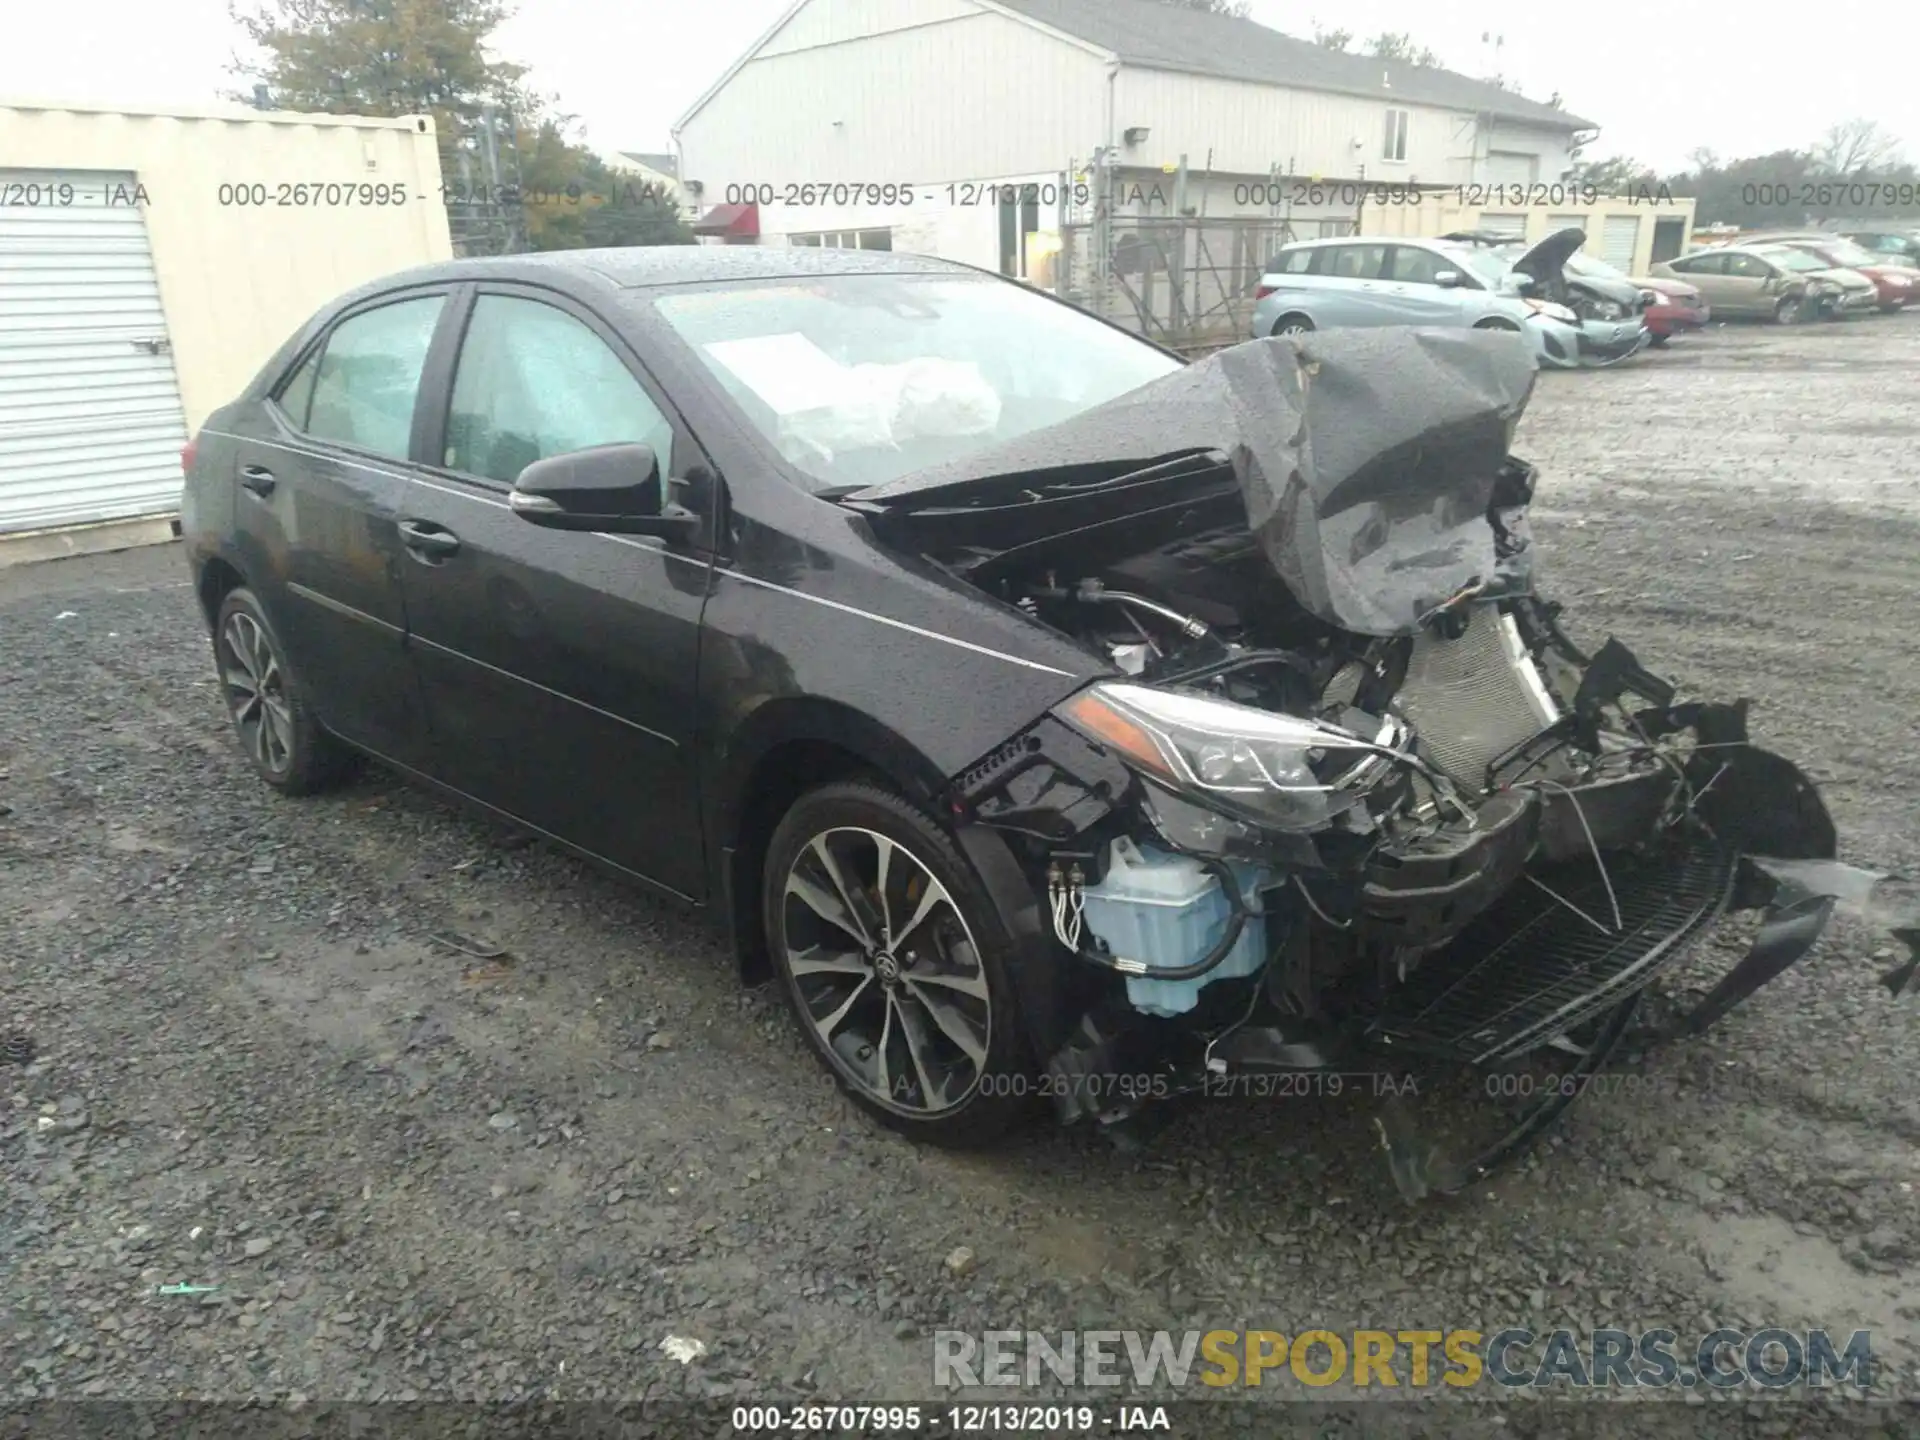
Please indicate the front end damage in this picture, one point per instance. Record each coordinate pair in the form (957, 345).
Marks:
(1350, 799)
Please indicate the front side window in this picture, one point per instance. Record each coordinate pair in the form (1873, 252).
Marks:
(364, 386)
(533, 381)
(1415, 267)
(1396, 140)
(858, 379)
(1712, 263)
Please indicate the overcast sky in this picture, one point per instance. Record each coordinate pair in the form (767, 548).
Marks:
(1660, 78)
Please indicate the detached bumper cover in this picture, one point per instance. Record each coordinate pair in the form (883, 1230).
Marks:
(1673, 319)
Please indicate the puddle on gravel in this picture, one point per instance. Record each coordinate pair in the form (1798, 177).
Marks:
(1770, 1268)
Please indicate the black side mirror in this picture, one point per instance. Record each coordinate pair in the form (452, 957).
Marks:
(610, 488)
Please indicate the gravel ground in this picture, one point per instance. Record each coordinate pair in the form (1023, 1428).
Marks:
(413, 1174)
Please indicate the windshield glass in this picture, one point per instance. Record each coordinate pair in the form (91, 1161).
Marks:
(1795, 259)
(1491, 266)
(1594, 268)
(1845, 252)
(859, 379)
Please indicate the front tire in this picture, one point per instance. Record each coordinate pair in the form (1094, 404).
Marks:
(1506, 325)
(893, 959)
(1789, 311)
(267, 704)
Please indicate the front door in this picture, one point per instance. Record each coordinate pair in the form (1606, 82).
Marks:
(559, 667)
(1750, 286)
(1415, 296)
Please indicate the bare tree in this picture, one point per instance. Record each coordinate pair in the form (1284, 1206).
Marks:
(1854, 146)
(1235, 8)
(1389, 46)
(1340, 40)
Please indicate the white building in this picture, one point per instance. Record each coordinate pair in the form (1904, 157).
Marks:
(846, 107)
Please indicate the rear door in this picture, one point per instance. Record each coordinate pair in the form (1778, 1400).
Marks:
(1352, 290)
(1707, 274)
(319, 468)
(559, 667)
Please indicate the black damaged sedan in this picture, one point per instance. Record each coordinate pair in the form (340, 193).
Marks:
(1051, 715)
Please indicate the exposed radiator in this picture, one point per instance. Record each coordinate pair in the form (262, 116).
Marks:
(1475, 698)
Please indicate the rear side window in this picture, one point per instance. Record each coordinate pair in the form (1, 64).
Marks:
(368, 375)
(1294, 262)
(532, 381)
(296, 396)
(1354, 262)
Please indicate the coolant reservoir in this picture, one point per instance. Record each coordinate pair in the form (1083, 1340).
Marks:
(1165, 910)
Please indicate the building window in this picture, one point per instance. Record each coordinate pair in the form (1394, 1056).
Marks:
(1396, 146)
(846, 239)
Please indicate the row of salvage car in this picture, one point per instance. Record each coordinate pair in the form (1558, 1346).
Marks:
(1576, 310)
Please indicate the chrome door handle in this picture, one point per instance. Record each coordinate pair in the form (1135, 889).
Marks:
(427, 540)
(258, 479)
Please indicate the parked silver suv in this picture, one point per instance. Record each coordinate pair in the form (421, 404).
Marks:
(1319, 284)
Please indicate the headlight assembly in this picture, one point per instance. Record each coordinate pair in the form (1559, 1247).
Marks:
(1281, 771)
(1553, 311)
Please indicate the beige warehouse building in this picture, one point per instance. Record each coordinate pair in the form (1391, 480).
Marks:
(150, 262)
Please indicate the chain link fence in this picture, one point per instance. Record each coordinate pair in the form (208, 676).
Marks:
(1185, 282)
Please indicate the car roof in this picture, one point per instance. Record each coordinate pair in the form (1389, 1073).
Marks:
(643, 266)
(1321, 242)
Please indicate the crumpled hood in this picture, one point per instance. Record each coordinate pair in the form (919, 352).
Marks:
(1546, 260)
(1367, 458)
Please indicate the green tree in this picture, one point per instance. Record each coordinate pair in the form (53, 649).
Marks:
(574, 201)
(1616, 175)
(413, 57)
(386, 57)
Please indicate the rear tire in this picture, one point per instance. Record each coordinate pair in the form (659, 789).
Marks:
(1658, 339)
(268, 706)
(894, 961)
(1293, 324)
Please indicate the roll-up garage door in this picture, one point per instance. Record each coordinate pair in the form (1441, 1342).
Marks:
(90, 418)
(1619, 238)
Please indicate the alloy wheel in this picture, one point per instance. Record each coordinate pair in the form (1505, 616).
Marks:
(255, 686)
(886, 971)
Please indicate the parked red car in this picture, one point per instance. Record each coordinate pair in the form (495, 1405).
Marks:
(1673, 306)
(1896, 282)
